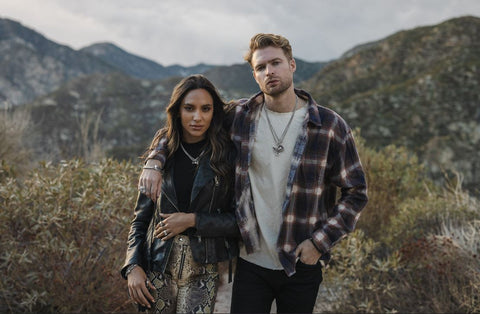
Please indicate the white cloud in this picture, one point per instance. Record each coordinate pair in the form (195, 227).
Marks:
(217, 31)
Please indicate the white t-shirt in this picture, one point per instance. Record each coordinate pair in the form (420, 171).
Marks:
(268, 176)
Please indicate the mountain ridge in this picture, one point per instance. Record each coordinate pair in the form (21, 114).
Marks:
(416, 88)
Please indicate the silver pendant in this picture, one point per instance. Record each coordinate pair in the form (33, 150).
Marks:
(277, 150)
(195, 162)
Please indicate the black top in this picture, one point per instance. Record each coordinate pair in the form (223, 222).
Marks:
(184, 173)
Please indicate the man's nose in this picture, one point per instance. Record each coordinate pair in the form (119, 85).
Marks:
(269, 69)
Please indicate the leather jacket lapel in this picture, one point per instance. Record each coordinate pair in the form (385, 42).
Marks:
(203, 176)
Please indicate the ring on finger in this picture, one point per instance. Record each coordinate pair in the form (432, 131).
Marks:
(165, 233)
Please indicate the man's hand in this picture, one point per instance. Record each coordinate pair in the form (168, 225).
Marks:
(307, 252)
(150, 181)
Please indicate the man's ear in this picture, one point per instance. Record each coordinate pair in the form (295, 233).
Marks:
(293, 65)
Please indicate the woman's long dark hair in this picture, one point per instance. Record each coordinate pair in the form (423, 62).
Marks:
(217, 138)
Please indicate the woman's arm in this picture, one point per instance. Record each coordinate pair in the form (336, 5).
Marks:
(138, 232)
(217, 225)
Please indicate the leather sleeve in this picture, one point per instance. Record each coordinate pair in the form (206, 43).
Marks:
(137, 236)
(217, 225)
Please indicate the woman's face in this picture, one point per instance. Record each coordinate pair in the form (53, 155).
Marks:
(196, 113)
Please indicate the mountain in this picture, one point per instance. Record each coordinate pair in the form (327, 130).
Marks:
(139, 67)
(418, 88)
(112, 112)
(31, 65)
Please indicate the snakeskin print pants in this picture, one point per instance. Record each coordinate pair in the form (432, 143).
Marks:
(186, 286)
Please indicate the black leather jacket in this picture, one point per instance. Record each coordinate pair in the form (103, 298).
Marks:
(215, 236)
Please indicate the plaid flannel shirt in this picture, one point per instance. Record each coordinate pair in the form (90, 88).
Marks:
(324, 158)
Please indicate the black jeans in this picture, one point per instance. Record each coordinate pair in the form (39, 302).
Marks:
(255, 288)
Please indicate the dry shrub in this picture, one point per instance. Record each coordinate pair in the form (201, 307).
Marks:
(425, 215)
(393, 175)
(415, 249)
(431, 275)
(358, 281)
(63, 233)
(442, 274)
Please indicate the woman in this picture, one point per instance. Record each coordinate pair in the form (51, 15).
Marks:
(174, 245)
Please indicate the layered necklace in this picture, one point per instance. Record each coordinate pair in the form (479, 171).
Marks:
(194, 160)
(278, 147)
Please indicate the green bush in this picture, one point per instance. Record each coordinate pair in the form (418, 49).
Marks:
(63, 232)
(393, 175)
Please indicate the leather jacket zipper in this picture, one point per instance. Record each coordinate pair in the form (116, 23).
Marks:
(182, 262)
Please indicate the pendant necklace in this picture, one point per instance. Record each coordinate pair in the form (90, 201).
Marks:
(194, 160)
(278, 147)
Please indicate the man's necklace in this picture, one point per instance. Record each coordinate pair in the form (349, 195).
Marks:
(194, 160)
(278, 147)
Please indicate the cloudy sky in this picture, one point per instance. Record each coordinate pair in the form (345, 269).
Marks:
(188, 32)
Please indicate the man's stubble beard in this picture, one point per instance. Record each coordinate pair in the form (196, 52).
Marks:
(278, 90)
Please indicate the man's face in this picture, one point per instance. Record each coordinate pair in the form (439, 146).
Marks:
(272, 70)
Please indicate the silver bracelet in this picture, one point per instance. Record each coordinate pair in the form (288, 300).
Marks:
(154, 167)
(129, 269)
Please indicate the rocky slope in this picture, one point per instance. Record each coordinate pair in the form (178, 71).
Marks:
(418, 88)
(31, 65)
(102, 113)
(137, 66)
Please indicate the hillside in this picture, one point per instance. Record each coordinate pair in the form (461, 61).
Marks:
(110, 113)
(31, 65)
(418, 88)
(139, 67)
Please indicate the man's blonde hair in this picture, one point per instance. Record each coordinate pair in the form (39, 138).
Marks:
(262, 40)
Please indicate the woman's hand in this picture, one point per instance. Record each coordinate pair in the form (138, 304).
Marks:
(173, 224)
(150, 181)
(137, 287)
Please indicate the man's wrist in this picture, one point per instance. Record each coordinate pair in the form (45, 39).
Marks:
(154, 167)
(154, 163)
(129, 269)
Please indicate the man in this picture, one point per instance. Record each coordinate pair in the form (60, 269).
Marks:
(292, 155)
